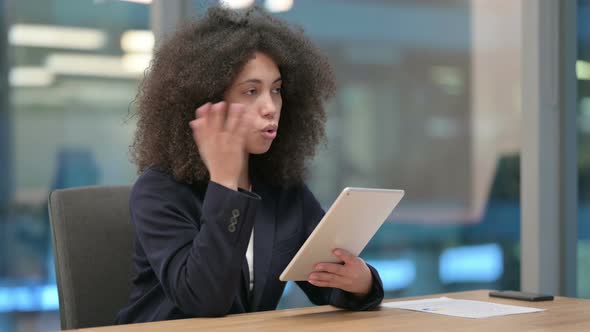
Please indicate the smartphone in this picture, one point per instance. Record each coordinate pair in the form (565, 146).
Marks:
(524, 296)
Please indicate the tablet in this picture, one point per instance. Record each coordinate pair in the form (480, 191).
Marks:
(349, 224)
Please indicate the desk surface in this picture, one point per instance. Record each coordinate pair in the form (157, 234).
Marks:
(562, 314)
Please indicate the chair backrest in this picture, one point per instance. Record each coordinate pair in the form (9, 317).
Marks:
(93, 246)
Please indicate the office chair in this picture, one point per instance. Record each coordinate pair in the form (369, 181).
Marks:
(93, 244)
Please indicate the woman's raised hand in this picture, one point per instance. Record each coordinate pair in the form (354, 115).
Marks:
(220, 133)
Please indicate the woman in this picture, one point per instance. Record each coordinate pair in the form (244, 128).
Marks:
(220, 207)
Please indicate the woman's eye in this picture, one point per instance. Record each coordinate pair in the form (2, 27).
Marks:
(277, 91)
(251, 92)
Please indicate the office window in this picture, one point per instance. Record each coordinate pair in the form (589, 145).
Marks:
(583, 74)
(72, 68)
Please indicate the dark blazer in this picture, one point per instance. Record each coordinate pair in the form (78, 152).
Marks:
(191, 241)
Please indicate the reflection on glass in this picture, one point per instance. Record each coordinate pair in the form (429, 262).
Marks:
(71, 84)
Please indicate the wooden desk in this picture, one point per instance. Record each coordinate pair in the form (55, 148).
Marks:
(562, 314)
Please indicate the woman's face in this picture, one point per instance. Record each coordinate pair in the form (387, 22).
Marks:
(258, 87)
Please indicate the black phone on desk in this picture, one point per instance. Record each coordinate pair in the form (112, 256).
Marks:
(523, 296)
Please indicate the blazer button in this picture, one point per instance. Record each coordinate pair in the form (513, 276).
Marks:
(233, 221)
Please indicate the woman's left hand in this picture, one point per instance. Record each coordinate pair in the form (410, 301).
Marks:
(353, 276)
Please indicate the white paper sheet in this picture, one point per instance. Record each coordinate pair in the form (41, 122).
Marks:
(460, 308)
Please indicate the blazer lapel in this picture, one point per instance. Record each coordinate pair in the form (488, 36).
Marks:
(264, 234)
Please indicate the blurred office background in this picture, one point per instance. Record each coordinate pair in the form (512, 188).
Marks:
(429, 100)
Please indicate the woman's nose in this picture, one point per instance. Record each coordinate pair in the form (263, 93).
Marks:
(269, 109)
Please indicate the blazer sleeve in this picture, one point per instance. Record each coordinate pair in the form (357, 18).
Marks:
(197, 257)
(312, 214)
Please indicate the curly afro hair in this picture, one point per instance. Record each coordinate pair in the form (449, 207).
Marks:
(198, 63)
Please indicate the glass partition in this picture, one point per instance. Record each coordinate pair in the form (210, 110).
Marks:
(72, 68)
(583, 74)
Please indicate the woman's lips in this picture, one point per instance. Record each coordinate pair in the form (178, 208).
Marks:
(269, 134)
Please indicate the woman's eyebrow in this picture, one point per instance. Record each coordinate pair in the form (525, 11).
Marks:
(258, 81)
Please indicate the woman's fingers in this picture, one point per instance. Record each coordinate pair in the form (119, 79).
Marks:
(338, 269)
(345, 256)
(221, 116)
(217, 115)
(200, 116)
(326, 279)
(320, 283)
(235, 113)
(201, 112)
